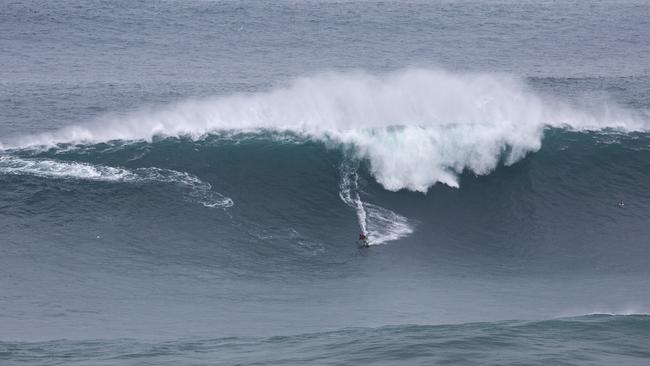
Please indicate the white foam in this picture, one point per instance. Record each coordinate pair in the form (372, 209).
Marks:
(416, 127)
(385, 225)
(348, 191)
(47, 168)
(59, 169)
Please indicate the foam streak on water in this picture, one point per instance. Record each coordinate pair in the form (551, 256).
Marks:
(47, 168)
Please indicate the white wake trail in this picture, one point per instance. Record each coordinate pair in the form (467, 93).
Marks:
(381, 225)
(348, 192)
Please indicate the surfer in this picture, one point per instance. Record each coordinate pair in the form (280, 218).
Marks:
(363, 239)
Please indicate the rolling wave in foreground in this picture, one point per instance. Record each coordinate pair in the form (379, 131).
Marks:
(599, 338)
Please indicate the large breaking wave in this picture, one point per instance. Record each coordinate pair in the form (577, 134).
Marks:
(416, 127)
(410, 129)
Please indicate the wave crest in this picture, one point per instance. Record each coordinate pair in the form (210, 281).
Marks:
(416, 127)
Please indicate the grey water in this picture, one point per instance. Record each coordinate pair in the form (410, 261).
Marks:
(183, 182)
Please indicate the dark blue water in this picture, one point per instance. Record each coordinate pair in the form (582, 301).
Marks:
(184, 183)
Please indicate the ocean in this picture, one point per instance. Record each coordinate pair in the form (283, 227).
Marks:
(184, 182)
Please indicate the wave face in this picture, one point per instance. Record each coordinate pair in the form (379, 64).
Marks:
(232, 224)
(226, 170)
(504, 343)
(416, 127)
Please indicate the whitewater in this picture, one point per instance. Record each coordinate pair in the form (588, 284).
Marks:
(416, 127)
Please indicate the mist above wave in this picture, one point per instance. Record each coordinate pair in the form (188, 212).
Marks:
(416, 127)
